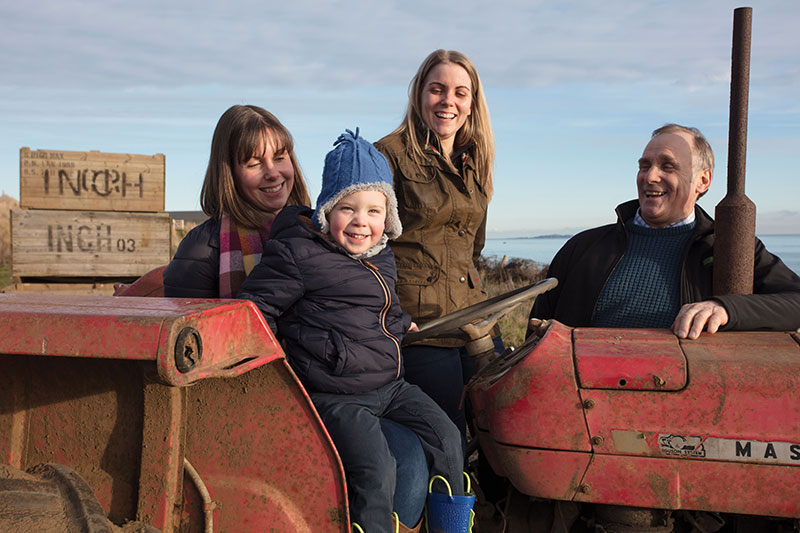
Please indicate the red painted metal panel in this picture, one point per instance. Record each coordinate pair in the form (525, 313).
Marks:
(742, 388)
(259, 445)
(235, 339)
(549, 474)
(250, 429)
(80, 326)
(699, 485)
(234, 336)
(741, 385)
(629, 359)
(162, 455)
(735, 422)
(489, 450)
(536, 404)
(14, 383)
(82, 413)
(255, 439)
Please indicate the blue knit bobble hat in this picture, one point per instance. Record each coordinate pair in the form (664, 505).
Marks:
(355, 165)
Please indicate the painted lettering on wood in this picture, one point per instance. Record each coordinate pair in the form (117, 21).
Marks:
(87, 244)
(91, 181)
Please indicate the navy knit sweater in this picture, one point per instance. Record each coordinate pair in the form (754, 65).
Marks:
(643, 291)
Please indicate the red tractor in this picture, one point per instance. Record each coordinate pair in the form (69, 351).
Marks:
(645, 423)
(183, 415)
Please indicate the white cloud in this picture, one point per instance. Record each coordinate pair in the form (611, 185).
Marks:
(575, 87)
(336, 44)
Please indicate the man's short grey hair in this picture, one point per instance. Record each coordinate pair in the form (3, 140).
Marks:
(702, 154)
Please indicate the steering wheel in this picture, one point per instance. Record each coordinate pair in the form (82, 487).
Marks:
(468, 320)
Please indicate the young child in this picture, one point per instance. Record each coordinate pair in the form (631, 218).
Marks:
(326, 286)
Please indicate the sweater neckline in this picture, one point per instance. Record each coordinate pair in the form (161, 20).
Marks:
(660, 232)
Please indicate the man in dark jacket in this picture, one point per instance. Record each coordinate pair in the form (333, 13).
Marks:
(326, 284)
(653, 268)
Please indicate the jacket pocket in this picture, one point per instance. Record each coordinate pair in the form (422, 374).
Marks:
(475, 283)
(418, 292)
(336, 352)
(420, 188)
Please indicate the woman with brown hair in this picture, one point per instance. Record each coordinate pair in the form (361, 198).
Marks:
(252, 174)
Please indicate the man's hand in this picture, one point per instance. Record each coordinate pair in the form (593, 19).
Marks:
(693, 318)
(412, 327)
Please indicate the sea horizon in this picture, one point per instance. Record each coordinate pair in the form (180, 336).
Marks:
(567, 235)
(542, 248)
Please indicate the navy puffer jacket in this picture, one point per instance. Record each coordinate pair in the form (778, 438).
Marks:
(339, 317)
(194, 271)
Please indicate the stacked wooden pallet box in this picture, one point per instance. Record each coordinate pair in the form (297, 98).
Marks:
(87, 220)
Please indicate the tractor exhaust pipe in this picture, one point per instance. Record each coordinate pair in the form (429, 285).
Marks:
(735, 215)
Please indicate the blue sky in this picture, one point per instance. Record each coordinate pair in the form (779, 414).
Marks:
(574, 88)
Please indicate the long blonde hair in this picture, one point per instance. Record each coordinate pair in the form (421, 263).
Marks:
(476, 130)
(236, 139)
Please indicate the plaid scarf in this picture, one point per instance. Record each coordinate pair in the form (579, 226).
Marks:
(239, 251)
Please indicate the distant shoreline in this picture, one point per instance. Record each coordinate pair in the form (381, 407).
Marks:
(551, 236)
(567, 236)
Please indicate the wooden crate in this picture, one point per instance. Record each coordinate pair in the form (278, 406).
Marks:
(97, 289)
(91, 181)
(87, 244)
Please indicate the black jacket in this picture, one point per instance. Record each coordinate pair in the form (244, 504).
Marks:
(585, 262)
(339, 317)
(194, 271)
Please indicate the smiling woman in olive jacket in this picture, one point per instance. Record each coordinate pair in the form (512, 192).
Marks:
(442, 156)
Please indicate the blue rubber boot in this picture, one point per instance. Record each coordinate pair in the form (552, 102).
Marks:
(446, 513)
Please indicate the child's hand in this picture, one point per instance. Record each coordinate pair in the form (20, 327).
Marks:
(412, 327)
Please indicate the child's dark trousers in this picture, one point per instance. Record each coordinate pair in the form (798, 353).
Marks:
(353, 423)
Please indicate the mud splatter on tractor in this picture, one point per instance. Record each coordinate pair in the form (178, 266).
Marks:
(144, 406)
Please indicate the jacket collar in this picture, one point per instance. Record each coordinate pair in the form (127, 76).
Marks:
(703, 222)
(430, 143)
(213, 226)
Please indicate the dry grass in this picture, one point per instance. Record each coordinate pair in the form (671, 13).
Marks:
(503, 275)
(5, 276)
(7, 203)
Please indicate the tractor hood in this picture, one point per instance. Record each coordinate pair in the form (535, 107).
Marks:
(640, 418)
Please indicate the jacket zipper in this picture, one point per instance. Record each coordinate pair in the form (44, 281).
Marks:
(388, 302)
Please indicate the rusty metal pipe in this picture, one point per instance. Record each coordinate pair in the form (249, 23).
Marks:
(735, 215)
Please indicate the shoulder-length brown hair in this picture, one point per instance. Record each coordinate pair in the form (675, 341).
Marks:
(236, 139)
(476, 130)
